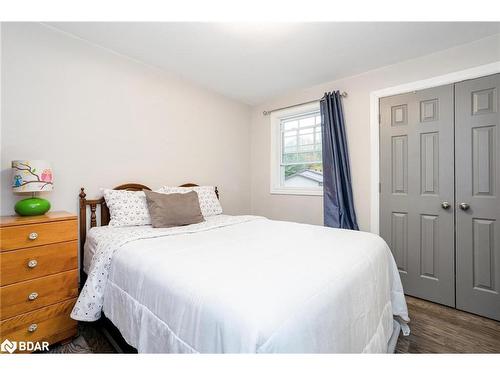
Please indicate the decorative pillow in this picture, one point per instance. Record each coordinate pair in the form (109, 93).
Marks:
(127, 208)
(173, 210)
(209, 203)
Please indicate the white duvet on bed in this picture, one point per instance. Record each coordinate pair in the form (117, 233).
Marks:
(250, 285)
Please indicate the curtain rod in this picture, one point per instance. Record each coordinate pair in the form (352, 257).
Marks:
(265, 113)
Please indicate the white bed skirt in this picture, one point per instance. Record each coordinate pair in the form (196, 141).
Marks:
(148, 334)
(391, 346)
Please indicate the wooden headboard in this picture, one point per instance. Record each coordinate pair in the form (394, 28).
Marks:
(104, 210)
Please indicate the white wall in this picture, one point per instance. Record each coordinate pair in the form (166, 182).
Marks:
(309, 209)
(103, 119)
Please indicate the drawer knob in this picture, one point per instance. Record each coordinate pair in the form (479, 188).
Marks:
(32, 328)
(33, 236)
(32, 263)
(33, 296)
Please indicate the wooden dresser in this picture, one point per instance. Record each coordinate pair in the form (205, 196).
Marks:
(38, 277)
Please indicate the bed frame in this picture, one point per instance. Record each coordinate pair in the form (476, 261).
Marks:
(108, 328)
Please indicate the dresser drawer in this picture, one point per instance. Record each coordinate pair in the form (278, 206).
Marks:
(33, 294)
(22, 236)
(26, 264)
(51, 324)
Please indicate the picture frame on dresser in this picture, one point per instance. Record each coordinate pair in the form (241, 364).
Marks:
(39, 277)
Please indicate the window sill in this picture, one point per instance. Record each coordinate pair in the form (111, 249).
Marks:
(288, 191)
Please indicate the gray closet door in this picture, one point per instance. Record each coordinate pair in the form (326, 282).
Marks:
(417, 190)
(478, 187)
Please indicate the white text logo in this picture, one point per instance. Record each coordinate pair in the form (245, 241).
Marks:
(22, 346)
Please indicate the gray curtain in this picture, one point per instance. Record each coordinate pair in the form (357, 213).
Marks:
(338, 203)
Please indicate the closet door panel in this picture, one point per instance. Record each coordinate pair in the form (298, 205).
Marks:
(416, 174)
(477, 134)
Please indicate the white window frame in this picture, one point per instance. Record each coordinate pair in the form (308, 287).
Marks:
(276, 118)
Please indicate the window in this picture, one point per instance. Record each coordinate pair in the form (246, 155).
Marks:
(297, 166)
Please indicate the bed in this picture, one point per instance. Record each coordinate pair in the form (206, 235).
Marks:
(240, 284)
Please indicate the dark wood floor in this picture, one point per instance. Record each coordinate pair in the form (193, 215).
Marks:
(434, 329)
(439, 329)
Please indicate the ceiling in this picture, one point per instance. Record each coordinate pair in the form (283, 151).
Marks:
(252, 62)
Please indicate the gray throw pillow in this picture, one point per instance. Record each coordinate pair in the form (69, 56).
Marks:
(172, 210)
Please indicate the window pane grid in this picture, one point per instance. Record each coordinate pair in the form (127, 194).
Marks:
(300, 156)
(301, 139)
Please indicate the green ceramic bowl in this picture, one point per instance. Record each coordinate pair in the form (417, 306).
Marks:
(32, 206)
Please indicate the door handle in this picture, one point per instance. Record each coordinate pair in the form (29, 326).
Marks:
(464, 206)
(445, 205)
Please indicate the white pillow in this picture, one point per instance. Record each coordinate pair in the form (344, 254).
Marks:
(209, 203)
(127, 208)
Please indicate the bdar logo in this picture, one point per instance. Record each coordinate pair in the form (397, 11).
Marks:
(8, 346)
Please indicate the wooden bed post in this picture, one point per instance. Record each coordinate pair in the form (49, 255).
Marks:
(83, 218)
(83, 233)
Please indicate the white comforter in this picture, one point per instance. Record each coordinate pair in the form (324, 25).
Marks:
(244, 284)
